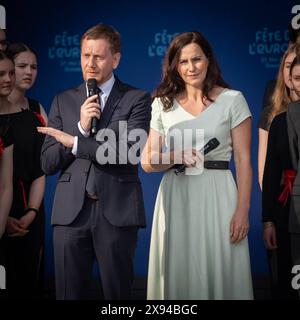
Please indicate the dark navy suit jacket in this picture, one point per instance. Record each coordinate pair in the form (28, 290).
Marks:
(118, 185)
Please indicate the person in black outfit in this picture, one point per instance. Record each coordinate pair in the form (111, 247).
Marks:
(277, 183)
(6, 170)
(6, 187)
(24, 249)
(6, 173)
(277, 179)
(293, 117)
(7, 79)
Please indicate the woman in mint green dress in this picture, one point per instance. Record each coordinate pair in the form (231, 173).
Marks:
(199, 247)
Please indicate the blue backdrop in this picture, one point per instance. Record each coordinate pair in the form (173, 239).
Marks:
(248, 38)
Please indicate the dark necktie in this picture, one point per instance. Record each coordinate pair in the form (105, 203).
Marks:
(91, 181)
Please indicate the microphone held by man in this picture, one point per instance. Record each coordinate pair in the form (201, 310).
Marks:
(92, 89)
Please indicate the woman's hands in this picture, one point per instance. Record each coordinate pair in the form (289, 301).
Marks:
(191, 158)
(19, 227)
(239, 226)
(269, 235)
(14, 228)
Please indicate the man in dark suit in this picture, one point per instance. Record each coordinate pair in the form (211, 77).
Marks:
(98, 206)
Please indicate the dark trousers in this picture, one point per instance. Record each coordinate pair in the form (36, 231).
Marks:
(91, 237)
(280, 259)
(280, 265)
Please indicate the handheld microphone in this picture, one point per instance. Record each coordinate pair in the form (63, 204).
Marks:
(209, 146)
(92, 89)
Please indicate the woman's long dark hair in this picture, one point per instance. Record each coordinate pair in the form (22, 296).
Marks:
(172, 83)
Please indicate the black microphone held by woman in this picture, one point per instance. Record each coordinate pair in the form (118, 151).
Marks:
(209, 146)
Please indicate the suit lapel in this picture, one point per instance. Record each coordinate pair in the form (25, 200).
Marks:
(80, 96)
(111, 104)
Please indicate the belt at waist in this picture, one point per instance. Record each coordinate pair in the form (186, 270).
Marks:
(217, 165)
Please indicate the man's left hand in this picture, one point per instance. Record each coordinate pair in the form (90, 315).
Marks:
(64, 138)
